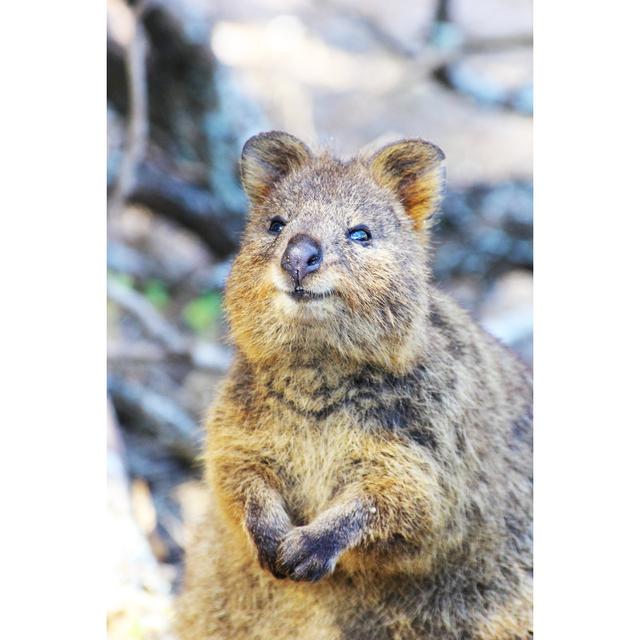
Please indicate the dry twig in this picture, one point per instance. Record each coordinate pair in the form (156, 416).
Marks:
(199, 354)
(173, 428)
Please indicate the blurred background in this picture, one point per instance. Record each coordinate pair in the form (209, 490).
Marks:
(188, 82)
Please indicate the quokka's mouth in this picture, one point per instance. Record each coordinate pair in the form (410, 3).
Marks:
(303, 295)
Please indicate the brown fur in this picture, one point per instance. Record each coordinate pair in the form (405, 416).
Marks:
(369, 456)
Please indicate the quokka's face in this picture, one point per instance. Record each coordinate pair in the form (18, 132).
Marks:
(327, 249)
(332, 255)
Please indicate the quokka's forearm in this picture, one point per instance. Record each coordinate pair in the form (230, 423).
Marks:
(401, 498)
(249, 489)
(374, 516)
(251, 496)
(365, 520)
(397, 513)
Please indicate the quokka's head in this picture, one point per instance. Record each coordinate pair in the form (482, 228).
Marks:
(334, 255)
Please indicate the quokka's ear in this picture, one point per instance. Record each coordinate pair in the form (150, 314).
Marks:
(413, 170)
(267, 158)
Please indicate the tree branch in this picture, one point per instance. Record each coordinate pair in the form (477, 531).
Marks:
(199, 354)
(193, 207)
(137, 130)
(156, 413)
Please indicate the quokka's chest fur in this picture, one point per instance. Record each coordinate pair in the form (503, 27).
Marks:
(320, 424)
(318, 428)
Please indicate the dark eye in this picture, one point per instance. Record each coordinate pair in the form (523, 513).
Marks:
(360, 234)
(277, 225)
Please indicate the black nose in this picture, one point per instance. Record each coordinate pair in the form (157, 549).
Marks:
(302, 256)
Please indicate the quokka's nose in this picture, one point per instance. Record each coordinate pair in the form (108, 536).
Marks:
(302, 256)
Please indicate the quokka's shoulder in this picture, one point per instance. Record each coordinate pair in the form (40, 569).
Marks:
(464, 335)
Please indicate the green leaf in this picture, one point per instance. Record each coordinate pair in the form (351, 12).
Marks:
(155, 291)
(202, 312)
(123, 278)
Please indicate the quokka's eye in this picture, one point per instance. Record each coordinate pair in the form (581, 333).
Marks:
(360, 234)
(276, 225)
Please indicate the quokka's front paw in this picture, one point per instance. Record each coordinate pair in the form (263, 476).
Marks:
(267, 534)
(268, 554)
(308, 554)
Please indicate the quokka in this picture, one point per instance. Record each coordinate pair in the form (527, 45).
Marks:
(369, 457)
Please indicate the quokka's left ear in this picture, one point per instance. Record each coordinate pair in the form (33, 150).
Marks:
(414, 171)
(267, 158)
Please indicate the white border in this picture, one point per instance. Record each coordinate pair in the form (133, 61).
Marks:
(587, 319)
(52, 310)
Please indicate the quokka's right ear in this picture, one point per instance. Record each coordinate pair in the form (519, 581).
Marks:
(267, 158)
(413, 171)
